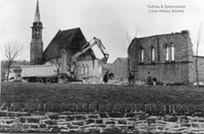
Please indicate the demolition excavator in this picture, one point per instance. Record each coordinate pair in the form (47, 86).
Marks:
(72, 63)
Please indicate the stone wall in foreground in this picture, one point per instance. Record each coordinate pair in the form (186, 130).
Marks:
(86, 118)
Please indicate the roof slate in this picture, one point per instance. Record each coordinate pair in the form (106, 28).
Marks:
(63, 40)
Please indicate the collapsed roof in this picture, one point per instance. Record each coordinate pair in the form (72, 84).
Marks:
(72, 39)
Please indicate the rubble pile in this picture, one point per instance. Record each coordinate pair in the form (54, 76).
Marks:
(93, 80)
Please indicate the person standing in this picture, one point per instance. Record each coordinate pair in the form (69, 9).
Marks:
(105, 78)
(131, 78)
(149, 79)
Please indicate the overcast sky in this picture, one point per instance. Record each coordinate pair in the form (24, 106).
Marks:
(109, 20)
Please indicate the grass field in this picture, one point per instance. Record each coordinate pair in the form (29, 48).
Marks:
(82, 93)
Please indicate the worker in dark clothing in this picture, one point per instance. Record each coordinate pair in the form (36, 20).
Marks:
(105, 78)
(131, 78)
(111, 76)
(149, 79)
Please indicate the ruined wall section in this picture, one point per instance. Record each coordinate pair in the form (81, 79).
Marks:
(176, 71)
(201, 68)
(133, 56)
(192, 73)
(190, 49)
(165, 73)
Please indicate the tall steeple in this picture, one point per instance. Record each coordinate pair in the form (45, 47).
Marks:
(37, 13)
(36, 45)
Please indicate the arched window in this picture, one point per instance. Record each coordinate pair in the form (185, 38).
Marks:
(141, 55)
(172, 52)
(152, 54)
(87, 69)
(166, 51)
(82, 69)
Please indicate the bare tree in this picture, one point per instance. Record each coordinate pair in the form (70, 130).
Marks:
(57, 61)
(129, 38)
(196, 58)
(131, 75)
(11, 51)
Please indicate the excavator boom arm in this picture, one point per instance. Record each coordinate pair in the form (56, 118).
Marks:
(87, 46)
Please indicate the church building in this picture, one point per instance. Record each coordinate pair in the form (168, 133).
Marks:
(60, 50)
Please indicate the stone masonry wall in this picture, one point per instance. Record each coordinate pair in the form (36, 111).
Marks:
(182, 56)
(200, 70)
(36, 51)
(166, 73)
(98, 118)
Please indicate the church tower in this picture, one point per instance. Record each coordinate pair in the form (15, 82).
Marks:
(36, 45)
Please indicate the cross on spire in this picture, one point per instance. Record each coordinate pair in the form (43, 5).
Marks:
(37, 14)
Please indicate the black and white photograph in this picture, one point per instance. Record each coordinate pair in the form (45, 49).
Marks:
(102, 66)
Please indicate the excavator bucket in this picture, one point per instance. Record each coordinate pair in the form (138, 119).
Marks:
(104, 59)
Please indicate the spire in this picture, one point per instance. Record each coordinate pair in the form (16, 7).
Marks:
(37, 14)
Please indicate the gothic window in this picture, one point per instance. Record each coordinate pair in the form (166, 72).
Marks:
(152, 54)
(83, 69)
(166, 46)
(87, 69)
(172, 52)
(141, 55)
